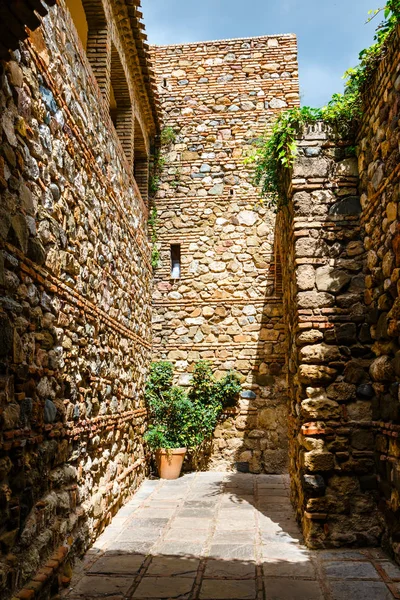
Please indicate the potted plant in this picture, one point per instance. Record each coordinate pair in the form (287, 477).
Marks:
(181, 420)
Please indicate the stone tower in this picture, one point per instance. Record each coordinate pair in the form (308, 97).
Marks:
(217, 293)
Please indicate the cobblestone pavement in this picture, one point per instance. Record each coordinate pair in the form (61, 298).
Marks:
(221, 536)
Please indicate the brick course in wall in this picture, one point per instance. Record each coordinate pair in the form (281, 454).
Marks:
(75, 297)
(219, 97)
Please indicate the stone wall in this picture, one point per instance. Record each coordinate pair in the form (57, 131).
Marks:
(226, 307)
(75, 312)
(331, 441)
(380, 193)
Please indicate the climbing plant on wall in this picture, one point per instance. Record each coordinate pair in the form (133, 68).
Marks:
(167, 137)
(277, 150)
(152, 223)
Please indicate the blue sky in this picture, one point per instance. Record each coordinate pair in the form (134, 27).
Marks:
(330, 32)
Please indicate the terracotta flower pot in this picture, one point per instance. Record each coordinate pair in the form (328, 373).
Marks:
(169, 462)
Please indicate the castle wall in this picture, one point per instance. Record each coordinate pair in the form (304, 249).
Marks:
(226, 307)
(75, 299)
(332, 463)
(378, 161)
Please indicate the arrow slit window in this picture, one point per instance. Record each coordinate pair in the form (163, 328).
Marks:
(175, 261)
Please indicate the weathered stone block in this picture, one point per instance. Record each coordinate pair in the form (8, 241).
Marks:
(341, 392)
(382, 369)
(310, 167)
(319, 353)
(313, 374)
(347, 167)
(329, 279)
(320, 409)
(305, 277)
(319, 461)
(311, 247)
(315, 299)
(314, 484)
(309, 337)
(363, 439)
(348, 206)
(359, 411)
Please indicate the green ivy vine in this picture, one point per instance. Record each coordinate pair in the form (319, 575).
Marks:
(276, 152)
(167, 137)
(152, 223)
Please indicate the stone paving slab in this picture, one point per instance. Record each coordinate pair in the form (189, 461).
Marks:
(289, 589)
(216, 569)
(126, 564)
(221, 536)
(303, 570)
(228, 590)
(99, 585)
(167, 566)
(233, 551)
(359, 590)
(350, 570)
(164, 587)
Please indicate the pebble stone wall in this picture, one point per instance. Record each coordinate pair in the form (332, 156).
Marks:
(75, 310)
(219, 97)
(378, 160)
(332, 463)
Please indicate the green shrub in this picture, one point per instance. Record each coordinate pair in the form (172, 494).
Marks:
(185, 419)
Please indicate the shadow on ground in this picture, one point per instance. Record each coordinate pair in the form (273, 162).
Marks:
(218, 536)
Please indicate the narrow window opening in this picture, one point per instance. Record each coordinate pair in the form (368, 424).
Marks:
(175, 261)
(232, 192)
(164, 82)
(247, 75)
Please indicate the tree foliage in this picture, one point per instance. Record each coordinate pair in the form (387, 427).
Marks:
(277, 150)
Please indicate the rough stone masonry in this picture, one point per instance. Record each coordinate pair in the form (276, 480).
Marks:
(75, 300)
(281, 302)
(219, 98)
(332, 462)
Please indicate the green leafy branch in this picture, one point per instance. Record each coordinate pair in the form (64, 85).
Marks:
(358, 77)
(276, 152)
